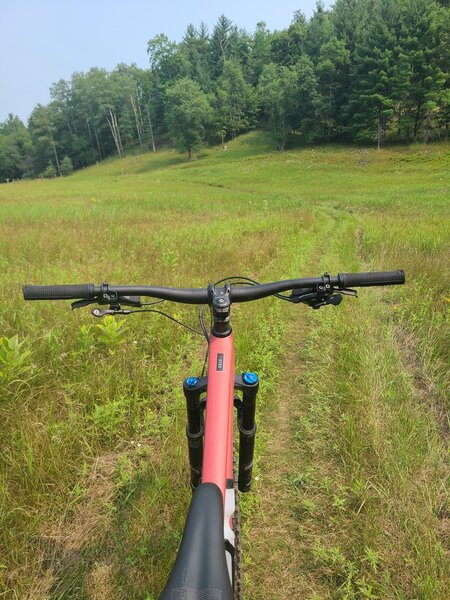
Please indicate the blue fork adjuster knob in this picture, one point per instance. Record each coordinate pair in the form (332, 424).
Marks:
(250, 378)
(192, 382)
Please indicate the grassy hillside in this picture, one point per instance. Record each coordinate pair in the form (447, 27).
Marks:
(350, 499)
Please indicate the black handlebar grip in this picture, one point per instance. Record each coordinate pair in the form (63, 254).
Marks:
(58, 292)
(367, 279)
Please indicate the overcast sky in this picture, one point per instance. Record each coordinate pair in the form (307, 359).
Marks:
(43, 41)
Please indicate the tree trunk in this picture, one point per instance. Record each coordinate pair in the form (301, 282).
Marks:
(98, 143)
(222, 50)
(330, 99)
(381, 130)
(112, 122)
(416, 120)
(151, 128)
(136, 118)
(88, 126)
(56, 155)
(69, 127)
(119, 136)
(141, 120)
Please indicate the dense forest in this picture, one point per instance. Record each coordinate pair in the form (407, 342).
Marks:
(365, 70)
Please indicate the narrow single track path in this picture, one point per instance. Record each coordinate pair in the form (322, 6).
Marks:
(275, 551)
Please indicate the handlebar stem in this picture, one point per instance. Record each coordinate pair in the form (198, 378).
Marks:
(219, 300)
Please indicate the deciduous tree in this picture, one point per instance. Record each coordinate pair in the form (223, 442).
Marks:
(278, 92)
(188, 114)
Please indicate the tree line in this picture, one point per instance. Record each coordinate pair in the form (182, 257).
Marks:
(365, 70)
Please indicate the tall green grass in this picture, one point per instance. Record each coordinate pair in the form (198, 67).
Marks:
(93, 477)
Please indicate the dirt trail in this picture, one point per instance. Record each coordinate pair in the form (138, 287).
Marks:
(274, 549)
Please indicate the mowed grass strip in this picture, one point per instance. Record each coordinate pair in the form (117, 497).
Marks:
(93, 476)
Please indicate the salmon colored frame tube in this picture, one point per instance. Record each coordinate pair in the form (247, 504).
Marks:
(218, 447)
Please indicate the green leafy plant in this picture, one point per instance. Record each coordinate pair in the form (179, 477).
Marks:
(86, 338)
(109, 417)
(171, 259)
(14, 360)
(365, 589)
(112, 331)
(124, 473)
(372, 558)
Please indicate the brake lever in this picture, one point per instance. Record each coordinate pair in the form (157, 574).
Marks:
(81, 303)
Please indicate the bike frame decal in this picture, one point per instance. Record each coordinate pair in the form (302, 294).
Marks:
(218, 447)
(228, 533)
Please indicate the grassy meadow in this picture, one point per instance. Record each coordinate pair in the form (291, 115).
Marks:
(351, 498)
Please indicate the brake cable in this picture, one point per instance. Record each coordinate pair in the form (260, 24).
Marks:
(100, 312)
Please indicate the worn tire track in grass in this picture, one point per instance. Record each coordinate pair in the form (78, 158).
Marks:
(275, 552)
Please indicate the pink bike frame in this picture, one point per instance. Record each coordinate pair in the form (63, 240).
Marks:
(218, 444)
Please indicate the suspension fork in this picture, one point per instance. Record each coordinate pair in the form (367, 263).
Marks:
(193, 388)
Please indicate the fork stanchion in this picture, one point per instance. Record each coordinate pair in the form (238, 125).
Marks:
(193, 388)
(195, 447)
(246, 449)
(248, 384)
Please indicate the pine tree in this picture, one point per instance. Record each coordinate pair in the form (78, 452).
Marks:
(224, 44)
(196, 49)
(319, 31)
(43, 130)
(443, 35)
(374, 74)
(15, 149)
(332, 74)
(420, 44)
(259, 52)
(50, 171)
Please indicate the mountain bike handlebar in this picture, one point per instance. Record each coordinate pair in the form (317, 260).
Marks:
(105, 292)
